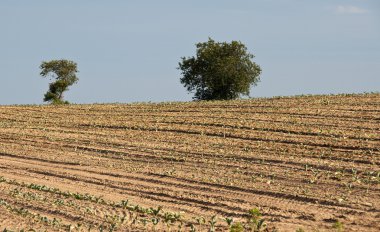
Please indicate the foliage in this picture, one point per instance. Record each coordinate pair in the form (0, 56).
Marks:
(338, 226)
(228, 221)
(220, 71)
(237, 227)
(64, 73)
(212, 223)
(255, 221)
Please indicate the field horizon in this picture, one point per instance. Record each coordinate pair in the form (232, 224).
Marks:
(192, 101)
(309, 162)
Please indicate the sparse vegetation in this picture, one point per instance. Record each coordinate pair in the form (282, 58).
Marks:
(250, 165)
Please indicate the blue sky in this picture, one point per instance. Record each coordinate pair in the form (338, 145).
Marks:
(128, 51)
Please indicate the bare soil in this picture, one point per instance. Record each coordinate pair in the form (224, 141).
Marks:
(308, 162)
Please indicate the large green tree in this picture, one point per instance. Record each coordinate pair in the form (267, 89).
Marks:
(219, 71)
(63, 72)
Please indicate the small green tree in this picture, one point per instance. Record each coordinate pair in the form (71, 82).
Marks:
(220, 71)
(64, 74)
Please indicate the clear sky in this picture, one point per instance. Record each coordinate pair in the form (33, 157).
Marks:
(128, 50)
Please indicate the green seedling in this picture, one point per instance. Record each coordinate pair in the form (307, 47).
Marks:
(192, 228)
(200, 220)
(228, 221)
(256, 223)
(338, 226)
(155, 212)
(144, 221)
(212, 223)
(155, 221)
(124, 204)
(237, 227)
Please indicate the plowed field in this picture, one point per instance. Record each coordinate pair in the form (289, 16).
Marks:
(309, 162)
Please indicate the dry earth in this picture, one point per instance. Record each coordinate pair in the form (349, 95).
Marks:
(308, 162)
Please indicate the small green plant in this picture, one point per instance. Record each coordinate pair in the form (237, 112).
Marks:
(144, 221)
(6, 230)
(212, 223)
(237, 227)
(59, 202)
(137, 208)
(112, 227)
(124, 204)
(192, 228)
(228, 221)
(168, 219)
(180, 226)
(155, 221)
(155, 212)
(338, 226)
(255, 222)
(200, 221)
(169, 172)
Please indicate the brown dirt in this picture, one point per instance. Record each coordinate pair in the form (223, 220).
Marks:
(305, 162)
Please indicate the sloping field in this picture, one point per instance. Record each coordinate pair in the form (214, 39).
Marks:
(310, 162)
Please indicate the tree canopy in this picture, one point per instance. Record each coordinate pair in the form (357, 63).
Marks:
(64, 74)
(219, 71)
